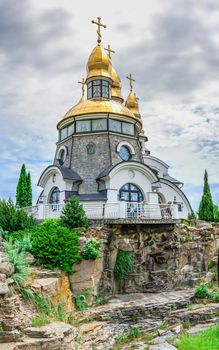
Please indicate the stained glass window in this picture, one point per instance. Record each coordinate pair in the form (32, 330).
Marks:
(99, 124)
(83, 126)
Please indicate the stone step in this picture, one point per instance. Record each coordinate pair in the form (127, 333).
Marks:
(137, 306)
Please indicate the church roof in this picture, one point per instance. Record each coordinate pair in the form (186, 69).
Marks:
(69, 174)
(99, 106)
(171, 179)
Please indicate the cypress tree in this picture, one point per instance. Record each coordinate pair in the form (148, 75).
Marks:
(21, 192)
(29, 190)
(206, 206)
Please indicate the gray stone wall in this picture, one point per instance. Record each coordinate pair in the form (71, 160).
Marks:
(90, 154)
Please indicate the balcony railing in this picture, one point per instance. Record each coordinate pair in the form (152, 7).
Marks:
(118, 210)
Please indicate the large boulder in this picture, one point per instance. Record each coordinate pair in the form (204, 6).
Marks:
(4, 288)
(7, 268)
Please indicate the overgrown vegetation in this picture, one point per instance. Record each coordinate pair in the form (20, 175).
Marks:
(124, 265)
(13, 219)
(81, 302)
(40, 320)
(16, 256)
(202, 292)
(206, 340)
(73, 214)
(92, 249)
(55, 246)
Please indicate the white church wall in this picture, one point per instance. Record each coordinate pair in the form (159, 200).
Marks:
(156, 164)
(124, 176)
(169, 193)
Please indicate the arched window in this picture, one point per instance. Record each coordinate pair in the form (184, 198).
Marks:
(130, 193)
(55, 196)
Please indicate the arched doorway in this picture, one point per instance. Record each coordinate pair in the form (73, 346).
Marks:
(130, 193)
(54, 196)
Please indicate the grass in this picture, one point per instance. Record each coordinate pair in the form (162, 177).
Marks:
(40, 320)
(206, 340)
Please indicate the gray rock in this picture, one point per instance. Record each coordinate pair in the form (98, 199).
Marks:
(2, 277)
(7, 268)
(29, 258)
(4, 288)
(162, 346)
(8, 337)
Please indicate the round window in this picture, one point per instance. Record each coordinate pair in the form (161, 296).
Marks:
(125, 153)
(62, 157)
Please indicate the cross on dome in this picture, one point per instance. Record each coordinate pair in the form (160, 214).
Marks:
(99, 24)
(82, 82)
(109, 50)
(129, 77)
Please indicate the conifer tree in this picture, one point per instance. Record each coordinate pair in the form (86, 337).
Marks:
(206, 206)
(73, 214)
(21, 192)
(29, 190)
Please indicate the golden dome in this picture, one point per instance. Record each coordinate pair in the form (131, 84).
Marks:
(116, 86)
(95, 107)
(132, 104)
(98, 64)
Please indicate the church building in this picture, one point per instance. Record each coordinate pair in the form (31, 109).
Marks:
(101, 156)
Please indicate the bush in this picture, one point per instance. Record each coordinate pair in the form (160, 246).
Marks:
(91, 251)
(17, 258)
(124, 264)
(73, 214)
(202, 292)
(55, 246)
(41, 320)
(13, 219)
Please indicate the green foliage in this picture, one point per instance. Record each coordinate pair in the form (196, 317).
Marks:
(91, 251)
(73, 214)
(55, 246)
(24, 244)
(41, 320)
(192, 216)
(216, 297)
(101, 300)
(205, 340)
(59, 312)
(13, 219)
(24, 189)
(29, 190)
(124, 265)
(43, 305)
(216, 213)
(202, 292)
(17, 258)
(81, 302)
(206, 206)
(21, 191)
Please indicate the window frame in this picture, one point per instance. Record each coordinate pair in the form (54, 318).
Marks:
(98, 83)
(130, 191)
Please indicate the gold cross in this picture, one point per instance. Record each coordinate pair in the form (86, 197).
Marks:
(82, 82)
(109, 51)
(130, 81)
(99, 24)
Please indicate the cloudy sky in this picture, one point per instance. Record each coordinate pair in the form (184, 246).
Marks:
(172, 49)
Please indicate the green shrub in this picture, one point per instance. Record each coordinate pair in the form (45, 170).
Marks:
(80, 300)
(17, 258)
(13, 219)
(91, 251)
(42, 304)
(55, 246)
(124, 264)
(41, 320)
(216, 297)
(73, 214)
(202, 292)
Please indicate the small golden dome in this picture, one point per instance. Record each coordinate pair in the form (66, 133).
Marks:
(94, 107)
(116, 86)
(98, 64)
(132, 104)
